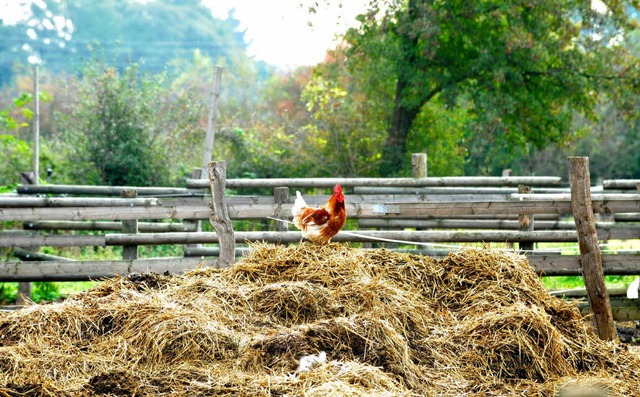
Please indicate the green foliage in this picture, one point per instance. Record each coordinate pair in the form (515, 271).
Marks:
(442, 133)
(123, 128)
(348, 127)
(44, 291)
(522, 70)
(15, 156)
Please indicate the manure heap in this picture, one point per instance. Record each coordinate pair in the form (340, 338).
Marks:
(476, 323)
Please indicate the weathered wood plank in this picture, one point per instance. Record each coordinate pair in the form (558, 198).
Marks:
(622, 309)
(94, 270)
(344, 236)
(293, 236)
(357, 207)
(220, 219)
(108, 226)
(445, 223)
(100, 190)
(627, 217)
(396, 182)
(130, 226)
(419, 165)
(569, 265)
(526, 221)
(363, 210)
(590, 255)
(211, 251)
(105, 213)
(582, 292)
(448, 191)
(620, 183)
(27, 255)
(25, 202)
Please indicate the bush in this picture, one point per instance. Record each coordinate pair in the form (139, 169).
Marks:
(121, 129)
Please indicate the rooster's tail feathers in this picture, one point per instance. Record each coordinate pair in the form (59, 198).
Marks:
(298, 204)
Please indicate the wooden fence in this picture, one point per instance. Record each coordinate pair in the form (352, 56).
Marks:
(428, 215)
(453, 216)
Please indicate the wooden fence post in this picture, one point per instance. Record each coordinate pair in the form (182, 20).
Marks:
(280, 196)
(130, 227)
(24, 288)
(194, 224)
(419, 165)
(525, 221)
(220, 219)
(590, 255)
(213, 117)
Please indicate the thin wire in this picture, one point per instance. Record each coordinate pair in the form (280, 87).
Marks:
(538, 251)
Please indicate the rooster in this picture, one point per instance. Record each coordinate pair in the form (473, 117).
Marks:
(320, 224)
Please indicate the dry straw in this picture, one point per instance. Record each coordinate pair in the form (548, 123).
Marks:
(476, 323)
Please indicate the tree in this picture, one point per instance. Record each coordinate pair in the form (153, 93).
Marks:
(127, 129)
(521, 68)
(346, 133)
(63, 35)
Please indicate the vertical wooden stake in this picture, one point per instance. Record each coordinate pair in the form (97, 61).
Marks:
(220, 219)
(590, 255)
(36, 124)
(525, 221)
(213, 116)
(419, 165)
(131, 227)
(194, 224)
(24, 288)
(280, 196)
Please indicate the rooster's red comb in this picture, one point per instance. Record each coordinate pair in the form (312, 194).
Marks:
(337, 188)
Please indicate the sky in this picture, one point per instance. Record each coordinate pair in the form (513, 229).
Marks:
(278, 31)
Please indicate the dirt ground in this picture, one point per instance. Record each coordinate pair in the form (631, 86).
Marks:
(629, 332)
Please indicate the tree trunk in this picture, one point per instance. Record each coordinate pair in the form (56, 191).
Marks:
(395, 149)
(404, 111)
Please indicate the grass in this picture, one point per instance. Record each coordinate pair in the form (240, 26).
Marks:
(44, 291)
(569, 282)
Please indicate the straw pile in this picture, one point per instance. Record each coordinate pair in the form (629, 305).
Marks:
(477, 323)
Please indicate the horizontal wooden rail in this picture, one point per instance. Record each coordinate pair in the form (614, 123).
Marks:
(27, 255)
(293, 237)
(569, 265)
(95, 270)
(85, 270)
(620, 183)
(35, 202)
(622, 309)
(627, 217)
(211, 251)
(156, 227)
(358, 207)
(481, 224)
(582, 292)
(105, 213)
(87, 190)
(450, 191)
(390, 182)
